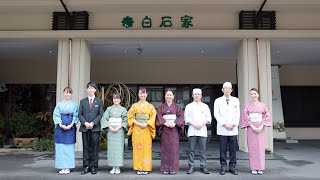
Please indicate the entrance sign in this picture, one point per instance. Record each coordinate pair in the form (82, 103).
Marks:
(166, 22)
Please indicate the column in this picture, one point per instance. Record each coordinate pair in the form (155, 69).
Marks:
(79, 72)
(252, 72)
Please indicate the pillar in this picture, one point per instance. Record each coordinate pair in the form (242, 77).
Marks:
(251, 73)
(79, 72)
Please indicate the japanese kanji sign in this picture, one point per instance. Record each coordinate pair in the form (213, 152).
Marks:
(166, 22)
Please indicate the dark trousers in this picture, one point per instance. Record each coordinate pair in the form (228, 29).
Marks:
(225, 142)
(202, 149)
(90, 142)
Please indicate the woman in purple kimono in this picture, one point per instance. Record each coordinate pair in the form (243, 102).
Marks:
(255, 118)
(170, 124)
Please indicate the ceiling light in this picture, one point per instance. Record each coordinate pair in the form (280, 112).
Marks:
(276, 52)
(202, 51)
(50, 52)
(125, 51)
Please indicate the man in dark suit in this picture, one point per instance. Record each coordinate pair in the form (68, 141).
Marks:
(90, 114)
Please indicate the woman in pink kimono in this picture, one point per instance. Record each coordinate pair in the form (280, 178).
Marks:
(255, 117)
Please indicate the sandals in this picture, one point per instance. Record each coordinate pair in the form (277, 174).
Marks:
(260, 172)
(142, 172)
(64, 171)
(254, 172)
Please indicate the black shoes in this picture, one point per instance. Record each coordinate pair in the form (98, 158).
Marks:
(190, 170)
(85, 170)
(222, 172)
(93, 170)
(233, 171)
(204, 170)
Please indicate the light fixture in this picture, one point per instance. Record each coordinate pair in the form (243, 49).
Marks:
(276, 52)
(125, 51)
(50, 51)
(202, 51)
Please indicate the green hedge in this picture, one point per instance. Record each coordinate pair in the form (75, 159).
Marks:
(27, 125)
(23, 124)
(41, 145)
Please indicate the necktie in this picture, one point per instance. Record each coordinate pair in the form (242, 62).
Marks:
(227, 101)
(90, 103)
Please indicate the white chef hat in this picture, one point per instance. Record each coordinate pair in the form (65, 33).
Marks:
(196, 91)
(227, 84)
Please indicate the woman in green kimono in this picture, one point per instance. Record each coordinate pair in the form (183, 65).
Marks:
(115, 121)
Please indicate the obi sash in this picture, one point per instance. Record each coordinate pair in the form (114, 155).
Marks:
(142, 118)
(255, 117)
(115, 122)
(62, 136)
(170, 118)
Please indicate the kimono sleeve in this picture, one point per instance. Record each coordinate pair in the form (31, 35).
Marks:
(266, 120)
(160, 120)
(105, 119)
(180, 116)
(131, 118)
(124, 116)
(56, 114)
(245, 122)
(75, 118)
(151, 122)
(180, 120)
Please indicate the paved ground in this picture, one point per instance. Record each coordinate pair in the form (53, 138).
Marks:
(289, 161)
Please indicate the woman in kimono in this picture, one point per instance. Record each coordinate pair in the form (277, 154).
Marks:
(171, 123)
(115, 119)
(255, 118)
(141, 120)
(65, 117)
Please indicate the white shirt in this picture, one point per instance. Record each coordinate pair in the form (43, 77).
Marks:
(197, 112)
(227, 113)
(92, 97)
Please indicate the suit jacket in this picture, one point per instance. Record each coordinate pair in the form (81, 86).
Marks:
(90, 115)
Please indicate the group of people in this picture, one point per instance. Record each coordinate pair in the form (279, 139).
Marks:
(142, 121)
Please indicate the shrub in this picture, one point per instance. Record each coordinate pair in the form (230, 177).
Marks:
(41, 145)
(45, 125)
(30, 125)
(23, 124)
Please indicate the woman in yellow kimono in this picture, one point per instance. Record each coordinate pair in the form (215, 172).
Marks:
(141, 120)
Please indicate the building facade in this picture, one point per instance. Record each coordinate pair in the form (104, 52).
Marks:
(169, 44)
